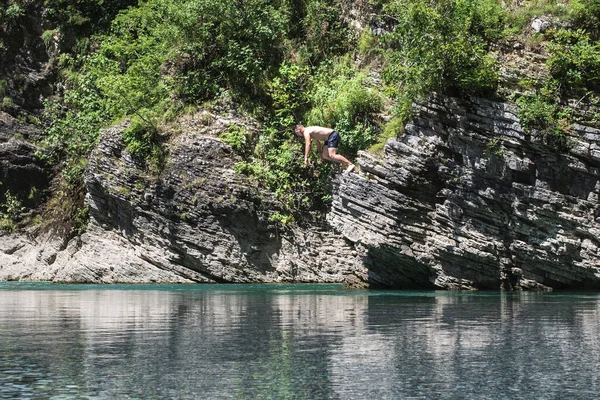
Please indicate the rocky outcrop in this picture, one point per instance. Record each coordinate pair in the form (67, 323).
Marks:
(25, 73)
(21, 172)
(467, 199)
(199, 221)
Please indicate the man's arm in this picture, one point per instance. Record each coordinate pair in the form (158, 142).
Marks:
(306, 147)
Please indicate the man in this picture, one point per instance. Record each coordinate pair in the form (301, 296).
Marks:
(328, 149)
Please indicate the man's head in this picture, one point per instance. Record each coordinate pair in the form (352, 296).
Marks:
(299, 129)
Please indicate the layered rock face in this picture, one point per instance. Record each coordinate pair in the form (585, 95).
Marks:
(22, 174)
(467, 199)
(198, 221)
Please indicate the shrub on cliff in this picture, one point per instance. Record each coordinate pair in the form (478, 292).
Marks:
(76, 20)
(158, 56)
(335, 94)
(10, 211)
(586, 15)
(346, 99)
(575, 59)
(441, 46)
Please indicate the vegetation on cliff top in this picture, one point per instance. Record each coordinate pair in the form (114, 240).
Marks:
(286, 61)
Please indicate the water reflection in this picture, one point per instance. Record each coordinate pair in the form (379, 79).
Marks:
(291, 342)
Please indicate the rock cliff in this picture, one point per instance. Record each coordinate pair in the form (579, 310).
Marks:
(466, 199)
(199, 221)
(22, 174)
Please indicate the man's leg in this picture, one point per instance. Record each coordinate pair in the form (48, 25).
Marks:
(333, 156)
(325, 154)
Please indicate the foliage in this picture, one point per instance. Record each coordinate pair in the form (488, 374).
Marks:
(73, 126)
(160, 55)
(336, 95)
(288, 93)
(521, 17)
(65, 212)
(344, 98)
(239, 138)
(144, 142)
(368, 45)
(81, 220)
(7, 104)
(82, 18)
(10, 211)
(541, 113)
(394, 128)
(574, 64)
(326, 34)
(227, 45)
(74, 20)
(277, 164)
(274, 157)
(442, 46)
(585, 15)
(575, 59)
(283, 219)
(494, 148)
(14, 14)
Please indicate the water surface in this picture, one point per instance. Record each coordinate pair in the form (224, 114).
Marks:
(294, 341)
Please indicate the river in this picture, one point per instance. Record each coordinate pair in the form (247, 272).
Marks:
(294, 342)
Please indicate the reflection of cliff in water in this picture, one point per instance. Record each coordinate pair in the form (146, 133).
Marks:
(436, 342)
(221, 338)
(323, 344)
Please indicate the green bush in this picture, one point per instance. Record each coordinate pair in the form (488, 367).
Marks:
(10, 211)
(72, 126)
(239, 138)
(393, 129)
(586, 15)
(440, 46)
(82, 18)
(283, 219)
(228, 46)
(535, 111)
(288, 93)
(144, 142)
(277, 164)
(344, 98)
(326, 34)
(336, 95)
(541, 113)
(369, 46)
(575, 59)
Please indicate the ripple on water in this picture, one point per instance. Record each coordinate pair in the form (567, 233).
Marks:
(310, 341)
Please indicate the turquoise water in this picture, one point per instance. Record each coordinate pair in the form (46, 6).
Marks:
(294, 342)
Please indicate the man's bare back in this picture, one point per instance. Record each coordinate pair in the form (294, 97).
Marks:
(317, 132)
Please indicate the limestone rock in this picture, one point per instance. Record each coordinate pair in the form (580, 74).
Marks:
(539, 25)
(199, 221)
(21, 172)
(464, 191)
(466, 199)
